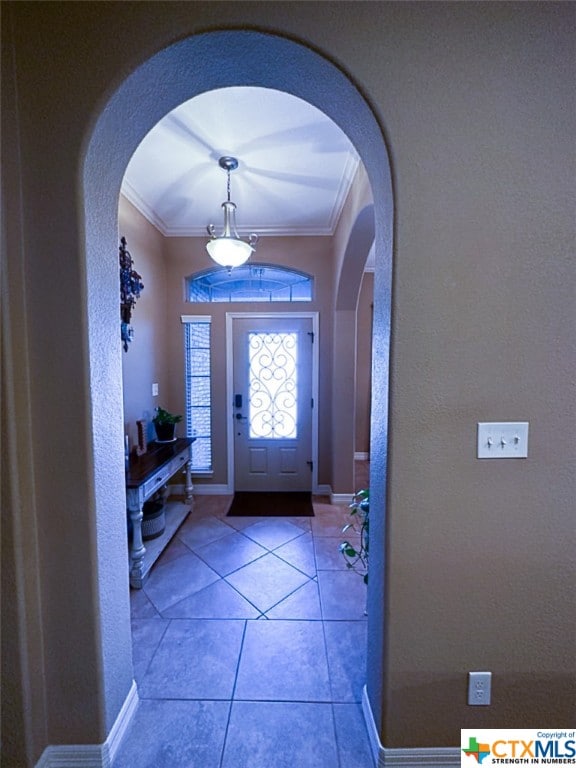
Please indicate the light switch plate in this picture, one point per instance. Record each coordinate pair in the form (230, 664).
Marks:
(503, 440)
(154, 390)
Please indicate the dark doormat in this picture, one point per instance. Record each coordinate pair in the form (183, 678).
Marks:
(271, 504)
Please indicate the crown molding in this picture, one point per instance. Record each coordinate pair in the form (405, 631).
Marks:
(180, 230)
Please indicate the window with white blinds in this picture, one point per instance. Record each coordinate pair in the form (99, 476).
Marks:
(197, 335)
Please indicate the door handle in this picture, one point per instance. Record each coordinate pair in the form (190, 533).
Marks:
(239, 417)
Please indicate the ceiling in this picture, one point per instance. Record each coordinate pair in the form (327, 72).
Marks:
(295, 166)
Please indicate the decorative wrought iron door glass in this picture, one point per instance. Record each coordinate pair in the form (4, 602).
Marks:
(273, 385)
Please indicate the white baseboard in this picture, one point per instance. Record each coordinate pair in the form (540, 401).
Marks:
(75, 756)
(361, 456)
(93, 755)
(341, 498)
(122, 722)
(406, 757)
(373, 737)
(203, 489)
(210, 489)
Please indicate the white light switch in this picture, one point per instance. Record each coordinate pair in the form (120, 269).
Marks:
(503, 440)
(154, 390)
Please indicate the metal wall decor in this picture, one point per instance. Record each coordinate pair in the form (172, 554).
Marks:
(130, 287)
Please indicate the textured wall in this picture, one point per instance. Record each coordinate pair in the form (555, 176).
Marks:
(479, 112)
(146, 361)
(364, 363)
(354, 237)
(477, 105)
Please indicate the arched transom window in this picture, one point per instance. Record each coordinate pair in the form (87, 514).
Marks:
(250, 282)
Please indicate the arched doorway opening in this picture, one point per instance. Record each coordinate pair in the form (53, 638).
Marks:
(206, 62)
(358, 247)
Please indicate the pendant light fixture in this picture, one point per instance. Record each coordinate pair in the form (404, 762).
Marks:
(228, 249)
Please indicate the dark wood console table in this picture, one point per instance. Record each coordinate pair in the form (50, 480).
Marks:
(145, 475)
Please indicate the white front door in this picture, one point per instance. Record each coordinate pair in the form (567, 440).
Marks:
(272, 382)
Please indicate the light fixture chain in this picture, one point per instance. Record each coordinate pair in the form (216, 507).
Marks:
(229, 250)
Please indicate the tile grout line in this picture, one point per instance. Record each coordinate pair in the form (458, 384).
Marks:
(336, 740)
(240, 650)
(163, 635)
(224, 575)
(289, 594)
(228, 736)
(244, 598)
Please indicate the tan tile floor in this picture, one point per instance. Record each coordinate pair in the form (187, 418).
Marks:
(249, 646)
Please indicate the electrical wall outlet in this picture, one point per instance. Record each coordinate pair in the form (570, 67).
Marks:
(479, 688)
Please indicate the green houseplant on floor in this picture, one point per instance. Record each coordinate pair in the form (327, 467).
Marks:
(355, 552)
(165, 425)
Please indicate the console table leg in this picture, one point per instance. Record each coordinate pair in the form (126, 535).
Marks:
(137, 550)
(189, 486)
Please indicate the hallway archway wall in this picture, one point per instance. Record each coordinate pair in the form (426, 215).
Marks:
(477, 100)
(180, 72)
(356, 250)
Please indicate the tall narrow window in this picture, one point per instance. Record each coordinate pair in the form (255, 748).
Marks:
(198, 399)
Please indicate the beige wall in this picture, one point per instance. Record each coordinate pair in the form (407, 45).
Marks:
(353, 240)
(156, 352)
(146, 361)
(185, 256)
(364, 363)
(476, 102)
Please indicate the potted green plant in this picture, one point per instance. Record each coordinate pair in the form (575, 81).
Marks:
(165, 425)
(356, 554)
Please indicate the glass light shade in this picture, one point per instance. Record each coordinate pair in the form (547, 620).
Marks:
(229, 250)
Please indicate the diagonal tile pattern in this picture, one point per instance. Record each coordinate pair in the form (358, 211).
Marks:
(299, 553)
(249, 646)
(272, 532)
(195, 659)
(302, 604)
(217, 601)
(266, 581)
(173, 581)
(229, 553)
